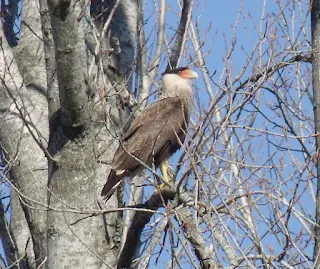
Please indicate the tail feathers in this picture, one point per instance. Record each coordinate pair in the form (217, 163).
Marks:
(114, 180)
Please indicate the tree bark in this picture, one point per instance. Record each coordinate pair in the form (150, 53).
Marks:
(24, 122)
(76, 238)
(315, 31)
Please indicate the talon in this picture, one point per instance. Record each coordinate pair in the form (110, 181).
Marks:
(161, 186)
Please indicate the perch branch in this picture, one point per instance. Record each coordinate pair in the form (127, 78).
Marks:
(181, 34)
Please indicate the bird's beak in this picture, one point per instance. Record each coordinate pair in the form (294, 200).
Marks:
(188, 73)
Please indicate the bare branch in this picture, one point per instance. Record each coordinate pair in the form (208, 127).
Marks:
(51, 68)
(179, 43)
(195, 238)
(69, 49)
(147, 77)
(137, 225)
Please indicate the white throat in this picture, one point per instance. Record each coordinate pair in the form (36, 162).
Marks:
(175, 86)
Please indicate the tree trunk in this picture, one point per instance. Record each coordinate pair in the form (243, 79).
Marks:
(315, 31)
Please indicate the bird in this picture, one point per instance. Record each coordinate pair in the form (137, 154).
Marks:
(157, 133)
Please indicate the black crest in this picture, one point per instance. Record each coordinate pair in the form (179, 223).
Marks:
(175, 71)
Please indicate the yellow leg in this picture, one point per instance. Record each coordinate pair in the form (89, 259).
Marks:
(164, 172)
(164, 187)
(164, 182)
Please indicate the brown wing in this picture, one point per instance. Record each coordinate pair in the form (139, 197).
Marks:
(153, 135)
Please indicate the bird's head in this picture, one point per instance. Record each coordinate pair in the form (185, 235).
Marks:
(177, 82)
(178, 76)
(182, 72)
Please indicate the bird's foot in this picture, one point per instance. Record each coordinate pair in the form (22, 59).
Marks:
(161, 186)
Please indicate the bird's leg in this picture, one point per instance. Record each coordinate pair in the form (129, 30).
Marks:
(165, 179)
(164, 172)
(166, 188)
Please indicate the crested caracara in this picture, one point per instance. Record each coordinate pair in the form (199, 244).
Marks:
(157, 132)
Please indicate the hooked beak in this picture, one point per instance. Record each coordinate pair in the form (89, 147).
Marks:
(188, 73)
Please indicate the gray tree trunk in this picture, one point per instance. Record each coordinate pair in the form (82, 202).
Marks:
(26, 120)
(315, 30)
(60, 226)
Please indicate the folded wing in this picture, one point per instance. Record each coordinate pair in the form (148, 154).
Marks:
(154, 136)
